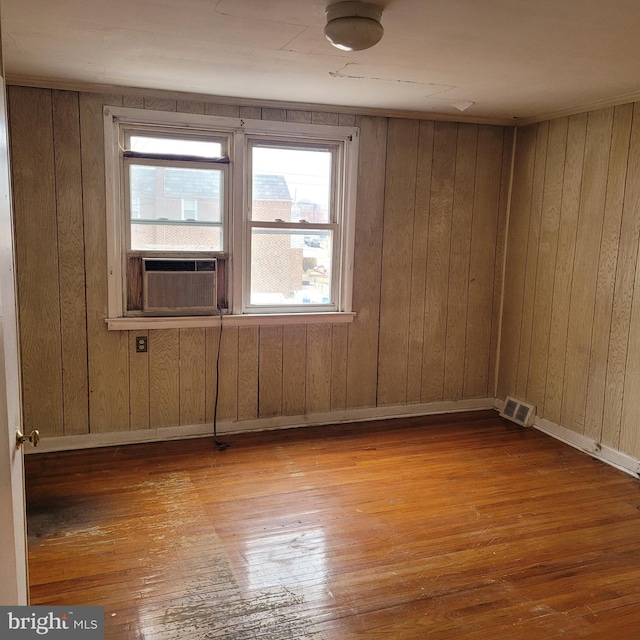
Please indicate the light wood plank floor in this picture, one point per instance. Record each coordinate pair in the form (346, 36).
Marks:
(459, 527)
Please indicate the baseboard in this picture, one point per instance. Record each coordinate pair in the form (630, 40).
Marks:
(160, 434)
(613, 457)
(617, 459)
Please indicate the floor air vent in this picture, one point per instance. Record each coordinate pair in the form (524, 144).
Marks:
(518, 411)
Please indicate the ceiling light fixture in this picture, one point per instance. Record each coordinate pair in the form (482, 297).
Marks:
(353, 25)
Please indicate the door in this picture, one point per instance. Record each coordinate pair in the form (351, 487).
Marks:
(13, 553)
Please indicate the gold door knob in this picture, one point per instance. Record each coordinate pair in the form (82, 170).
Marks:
(33, 438)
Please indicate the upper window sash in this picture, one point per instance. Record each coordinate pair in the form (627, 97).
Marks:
(274, 162)
(143, 141)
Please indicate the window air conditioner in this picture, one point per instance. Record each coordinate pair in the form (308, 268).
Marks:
(177, 286)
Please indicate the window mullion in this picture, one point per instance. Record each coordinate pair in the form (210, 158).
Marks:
(239, 241)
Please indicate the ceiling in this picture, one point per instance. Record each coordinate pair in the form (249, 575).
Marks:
(476, 59)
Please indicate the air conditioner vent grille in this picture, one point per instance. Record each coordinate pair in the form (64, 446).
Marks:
(179, 286)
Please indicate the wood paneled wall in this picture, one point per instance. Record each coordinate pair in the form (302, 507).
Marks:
(572, 291)
(431, 212)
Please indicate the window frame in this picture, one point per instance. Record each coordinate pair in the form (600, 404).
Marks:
(334, 224)
(239, 132)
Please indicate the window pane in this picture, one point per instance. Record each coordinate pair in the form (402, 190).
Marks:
(175, 236)
(290, 267)
(175, 146)
(175, 209)
(291, 184)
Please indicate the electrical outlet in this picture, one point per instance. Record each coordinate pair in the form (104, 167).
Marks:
(141, 344)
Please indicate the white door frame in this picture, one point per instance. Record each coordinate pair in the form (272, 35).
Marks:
(13, 541)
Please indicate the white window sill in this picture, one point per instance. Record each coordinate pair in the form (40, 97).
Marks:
(249, 320)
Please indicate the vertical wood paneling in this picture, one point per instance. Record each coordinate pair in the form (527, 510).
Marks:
(426, 212)
(226, 388)
(530, 274)
(192, 376)
(160, 104)
(571, 188)
(630, 431)
(36, 230)
(459, 259)
(623, 291)
(138, 383)
(585, 268)
(586, 316)
(419, 261)
(339, 341)
(516, 262)
(482, 262)
(190, 106)
(108, 350)
(546, 261)
(500, 250)
(73, 310)
(247, 373)
(438, 247)
(362, 360)
(270, 371)
(605, 283)
(321, 117)
(395, 296)
(228, 385)
(294, 358)
(134, 102)
(164, 377)
(428, 258)
(318, 387)
(303, 117)
(279, 115)
(346, 119)
(226, 110)
(211, 338)
(251, 113)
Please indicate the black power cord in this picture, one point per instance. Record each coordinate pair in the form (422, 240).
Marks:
(221, 445)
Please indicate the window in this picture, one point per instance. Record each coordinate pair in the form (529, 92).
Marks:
(292, 224)
(270, 203)
(190, 209)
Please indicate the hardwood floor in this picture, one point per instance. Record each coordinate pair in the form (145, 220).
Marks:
(449, 527)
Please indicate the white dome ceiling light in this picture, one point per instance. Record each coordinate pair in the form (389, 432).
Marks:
(353, 25)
